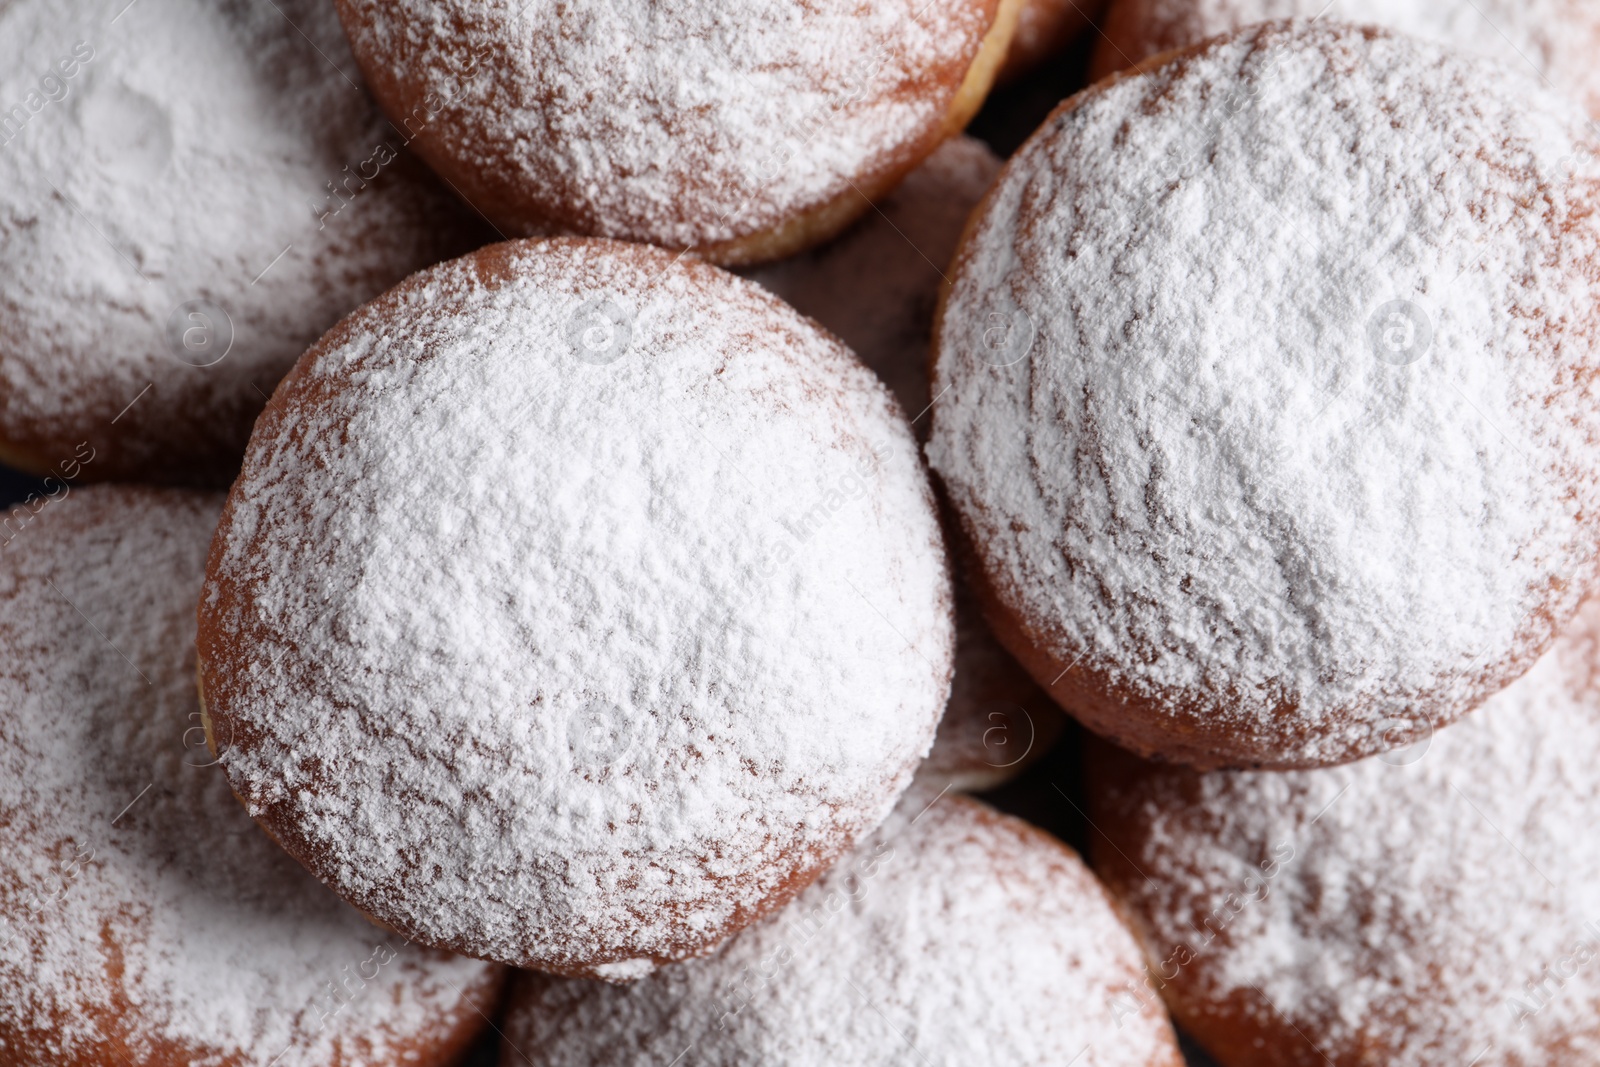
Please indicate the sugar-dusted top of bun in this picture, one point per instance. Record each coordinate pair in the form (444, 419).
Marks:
(1268, 389)
(1553, 39)
(577, 603)
(191, 192)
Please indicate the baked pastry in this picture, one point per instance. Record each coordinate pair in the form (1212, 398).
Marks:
(1273, 453)
(577, 604)
(143, 919)
(1554, 39)
(1435, 904)
(954, 935)
(745, 132)
(876, 287)
(1045, 28)
(190, 193)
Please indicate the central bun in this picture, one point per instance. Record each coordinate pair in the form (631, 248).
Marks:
(577, 604)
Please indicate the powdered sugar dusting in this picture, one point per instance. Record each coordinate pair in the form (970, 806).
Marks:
(1555, 39)
(953, 936)
(667, 578)
(202, 157)
(1437, 904)
(1177, 430)
(143, 918)
(669, 122)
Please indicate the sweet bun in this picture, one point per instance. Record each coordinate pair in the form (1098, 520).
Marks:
(1435, 904)
(578, 603)
(190, 194)
(1268, 394)
(143, 918)
(744, 132)
(954, 935)
(1555, 39)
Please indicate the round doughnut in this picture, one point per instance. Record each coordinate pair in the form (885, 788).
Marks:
(1554, 39)
(1268, 401)
(577, 604)
(744, 132)
(1045, 28)
(1436, 904)
(143, 918)
(955, 934)
(190, 194)
(876, 287)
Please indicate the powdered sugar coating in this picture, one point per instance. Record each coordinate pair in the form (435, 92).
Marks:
(576, 605)
(955, 935)
(1554, 39)
(678, 123)
(1209, 480)
(143, 918)
(1439, 904)
(186, 167)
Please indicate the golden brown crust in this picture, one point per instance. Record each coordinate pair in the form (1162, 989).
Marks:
(442, 1047)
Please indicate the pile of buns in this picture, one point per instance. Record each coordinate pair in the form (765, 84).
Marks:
(543, 516)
